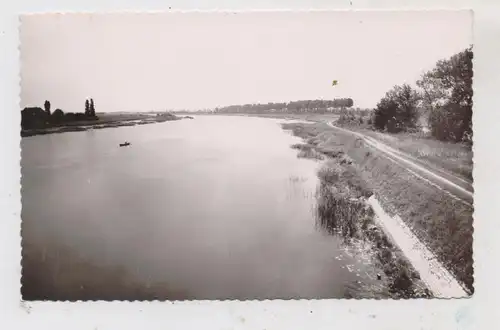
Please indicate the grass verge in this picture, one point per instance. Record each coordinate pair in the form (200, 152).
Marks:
(455, 158)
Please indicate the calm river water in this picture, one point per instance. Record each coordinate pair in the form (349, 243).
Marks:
(217, 207)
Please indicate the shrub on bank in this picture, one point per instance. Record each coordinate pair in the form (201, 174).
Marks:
(397, 111)
(354, 118)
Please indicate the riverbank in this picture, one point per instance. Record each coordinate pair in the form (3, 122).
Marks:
(106, 121)
(441, 222)
(343, 211)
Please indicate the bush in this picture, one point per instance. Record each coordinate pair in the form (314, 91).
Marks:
(57, 116)
(447, 123)
(69, 116)
(397, 111)
(385, 108)
(34, 117)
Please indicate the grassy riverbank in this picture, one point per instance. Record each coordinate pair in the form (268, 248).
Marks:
(106, 120)
(441, 222)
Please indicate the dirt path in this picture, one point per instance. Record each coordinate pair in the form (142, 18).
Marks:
(458, 188)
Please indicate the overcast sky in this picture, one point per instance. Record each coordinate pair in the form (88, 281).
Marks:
(132, 62)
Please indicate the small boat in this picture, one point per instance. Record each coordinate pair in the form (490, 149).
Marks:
(124, 144)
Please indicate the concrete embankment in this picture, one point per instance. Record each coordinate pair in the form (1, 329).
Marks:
(436, 277)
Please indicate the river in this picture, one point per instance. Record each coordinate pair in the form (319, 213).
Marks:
(216, 207)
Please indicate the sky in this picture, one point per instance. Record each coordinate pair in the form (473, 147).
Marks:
(173, 61)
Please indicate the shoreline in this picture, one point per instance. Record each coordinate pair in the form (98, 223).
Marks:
(345, 210)
(101, 124)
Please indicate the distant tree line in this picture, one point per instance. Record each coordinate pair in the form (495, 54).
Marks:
(443, 97)
(36, 117)
(317, 106)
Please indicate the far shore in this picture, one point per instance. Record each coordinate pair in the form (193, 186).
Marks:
(312, 117)
(106, 120)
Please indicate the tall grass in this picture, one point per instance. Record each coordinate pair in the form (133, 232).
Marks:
(342, 211)
(307, 151)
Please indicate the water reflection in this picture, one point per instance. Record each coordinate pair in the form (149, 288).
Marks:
(55, 272)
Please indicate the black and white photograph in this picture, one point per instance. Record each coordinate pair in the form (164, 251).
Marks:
(246, 155)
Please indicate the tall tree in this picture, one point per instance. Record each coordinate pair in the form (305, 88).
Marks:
(87, 108)
(46, 105)
(447, 94)
(92, 108)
